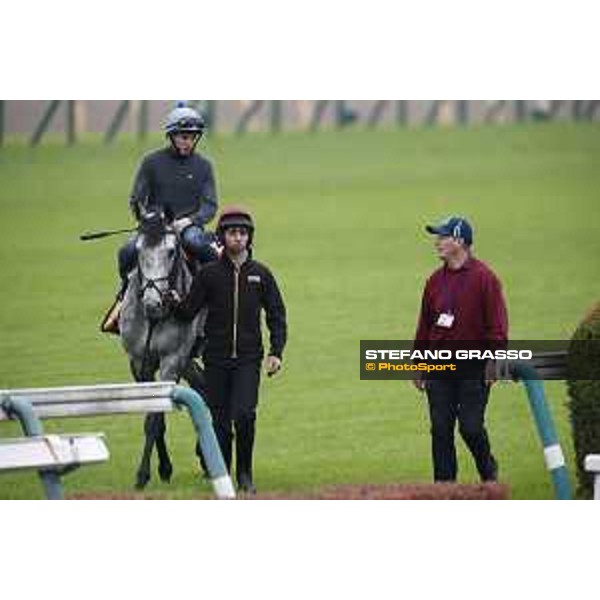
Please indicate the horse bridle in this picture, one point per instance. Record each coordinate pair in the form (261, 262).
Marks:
(148, 283)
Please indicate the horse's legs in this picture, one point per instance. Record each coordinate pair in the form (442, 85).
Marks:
(170, 367)
(154, 430)
(143, 472)
(165, 466)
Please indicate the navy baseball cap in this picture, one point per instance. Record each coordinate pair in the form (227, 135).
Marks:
(456, 227)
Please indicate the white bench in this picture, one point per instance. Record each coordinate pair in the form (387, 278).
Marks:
(93, 400)
(58, 452)
(54, 455)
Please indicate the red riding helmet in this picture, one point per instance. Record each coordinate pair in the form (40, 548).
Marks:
(235, 216)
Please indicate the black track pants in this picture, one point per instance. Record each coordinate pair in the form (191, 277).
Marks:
(232, 398)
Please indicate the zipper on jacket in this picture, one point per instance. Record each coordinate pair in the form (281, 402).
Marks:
(236, 293)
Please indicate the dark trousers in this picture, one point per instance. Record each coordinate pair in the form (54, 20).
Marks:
(464, 401)
(232, 397)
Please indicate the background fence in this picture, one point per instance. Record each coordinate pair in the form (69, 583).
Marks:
(71, 118)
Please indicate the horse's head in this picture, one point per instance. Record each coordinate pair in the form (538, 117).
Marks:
(158, 254)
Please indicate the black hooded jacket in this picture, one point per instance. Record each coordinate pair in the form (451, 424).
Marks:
(234, 298)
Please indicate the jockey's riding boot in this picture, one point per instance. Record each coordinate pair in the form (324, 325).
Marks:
(110, 323)
(122, 289)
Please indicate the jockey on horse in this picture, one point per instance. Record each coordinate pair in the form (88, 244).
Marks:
(180, 182)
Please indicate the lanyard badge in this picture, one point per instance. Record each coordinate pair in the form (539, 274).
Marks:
(445, 320)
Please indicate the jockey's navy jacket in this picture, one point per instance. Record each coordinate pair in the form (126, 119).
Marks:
(234, 297)
(183, 184)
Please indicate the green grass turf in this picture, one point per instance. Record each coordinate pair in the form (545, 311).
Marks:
(340, 221)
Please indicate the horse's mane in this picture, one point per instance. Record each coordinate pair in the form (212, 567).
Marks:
(155, 224)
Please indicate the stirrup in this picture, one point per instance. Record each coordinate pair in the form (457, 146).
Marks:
(110, 323)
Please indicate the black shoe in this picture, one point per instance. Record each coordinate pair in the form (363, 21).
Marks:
(492, 476)
(245, 484)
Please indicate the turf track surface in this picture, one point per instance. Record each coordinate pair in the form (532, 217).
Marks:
(340, 218)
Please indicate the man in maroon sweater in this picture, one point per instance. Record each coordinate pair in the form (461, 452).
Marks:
(462, 300)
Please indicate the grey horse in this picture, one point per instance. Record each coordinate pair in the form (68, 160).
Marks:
(152, 337)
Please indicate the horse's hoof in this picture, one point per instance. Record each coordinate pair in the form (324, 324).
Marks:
(165, 474)
(141, 481)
